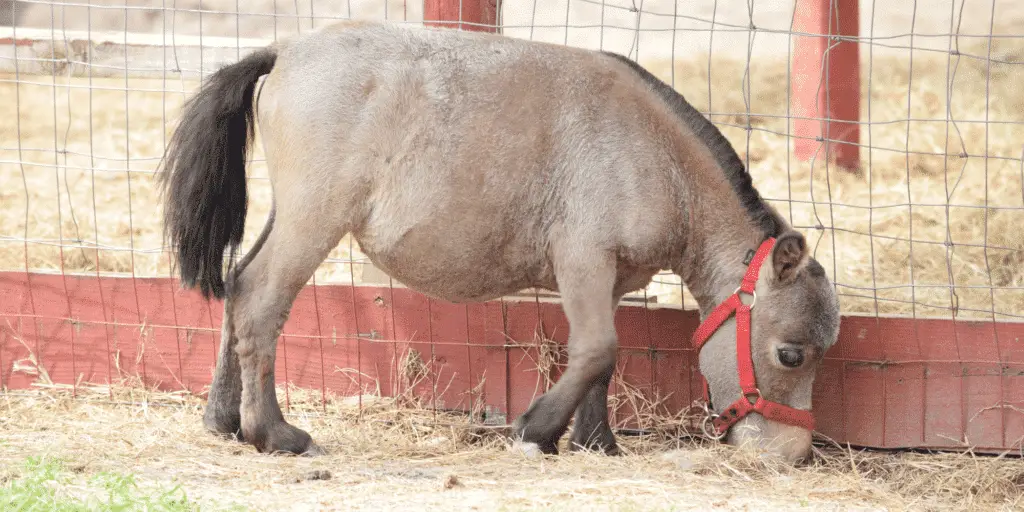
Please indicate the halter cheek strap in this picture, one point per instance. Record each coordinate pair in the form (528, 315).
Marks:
(751, 399)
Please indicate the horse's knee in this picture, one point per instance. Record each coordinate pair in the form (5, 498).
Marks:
(593, 356)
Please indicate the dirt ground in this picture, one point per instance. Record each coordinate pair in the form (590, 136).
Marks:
(394, 458)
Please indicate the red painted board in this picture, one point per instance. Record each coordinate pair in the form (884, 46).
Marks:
(889, 383)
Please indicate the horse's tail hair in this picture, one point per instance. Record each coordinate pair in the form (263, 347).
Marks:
(203, 175)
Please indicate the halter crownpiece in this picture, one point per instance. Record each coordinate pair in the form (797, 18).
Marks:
(751, 399)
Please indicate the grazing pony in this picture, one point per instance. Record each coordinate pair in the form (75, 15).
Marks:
(469, 166)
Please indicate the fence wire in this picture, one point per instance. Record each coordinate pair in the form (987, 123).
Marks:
(926, 227)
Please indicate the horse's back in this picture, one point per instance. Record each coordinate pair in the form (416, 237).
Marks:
(353, 65)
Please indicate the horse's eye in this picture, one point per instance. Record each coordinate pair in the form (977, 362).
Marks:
(791, 357)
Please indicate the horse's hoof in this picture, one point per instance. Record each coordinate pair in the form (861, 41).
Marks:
(314, 450)
(223, 425)
(529, 450)
(611, 450)
(534, 450)
(283, 438)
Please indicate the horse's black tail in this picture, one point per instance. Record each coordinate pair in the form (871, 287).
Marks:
(203, 173)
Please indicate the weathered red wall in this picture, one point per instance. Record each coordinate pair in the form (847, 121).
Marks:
(889, 383)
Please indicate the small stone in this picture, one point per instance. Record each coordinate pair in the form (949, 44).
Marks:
(316, 474)
(451, 481)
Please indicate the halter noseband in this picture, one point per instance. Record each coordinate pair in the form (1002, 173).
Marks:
(751, 399)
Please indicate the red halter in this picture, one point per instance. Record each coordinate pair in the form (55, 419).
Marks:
(751, 399)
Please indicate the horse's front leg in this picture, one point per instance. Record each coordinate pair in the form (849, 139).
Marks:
(591, 430)
(587, 298)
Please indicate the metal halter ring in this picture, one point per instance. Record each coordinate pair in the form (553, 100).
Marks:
(710, 431)
(756, 394)
(753, 293)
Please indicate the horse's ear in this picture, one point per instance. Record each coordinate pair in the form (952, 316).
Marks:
(789, 255)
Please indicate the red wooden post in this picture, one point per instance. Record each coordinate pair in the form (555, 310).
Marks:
(479, 15)
(826, 81)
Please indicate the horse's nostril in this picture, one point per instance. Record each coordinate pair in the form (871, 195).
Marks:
(791, 357)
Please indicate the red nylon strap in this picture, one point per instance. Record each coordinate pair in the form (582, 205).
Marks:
(770, 410)
(786, 414)
(718, 316)
(722, 312)
(754, 268)
(732, 414)
(744, 360)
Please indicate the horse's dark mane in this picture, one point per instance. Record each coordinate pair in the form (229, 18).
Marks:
(763, 216)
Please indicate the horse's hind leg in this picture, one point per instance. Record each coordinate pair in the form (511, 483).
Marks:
(589, 304)
(222, 414)
(263, 294)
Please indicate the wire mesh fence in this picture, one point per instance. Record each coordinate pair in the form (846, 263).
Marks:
(925, 227)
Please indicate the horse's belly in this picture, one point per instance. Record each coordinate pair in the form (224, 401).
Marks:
(450, 269)
(451, 282)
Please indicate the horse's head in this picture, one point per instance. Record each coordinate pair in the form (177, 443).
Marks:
(760, 349)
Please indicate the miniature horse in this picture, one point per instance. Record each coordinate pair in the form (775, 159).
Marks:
(469, 166)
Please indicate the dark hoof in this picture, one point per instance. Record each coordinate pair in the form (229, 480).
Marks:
(282, 438)
(314, 450)
(598, 442)
(534, 450)
(611, 450)
(223, 423)
(531, 443)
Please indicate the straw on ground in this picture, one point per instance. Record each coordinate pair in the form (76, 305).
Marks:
(394, 457)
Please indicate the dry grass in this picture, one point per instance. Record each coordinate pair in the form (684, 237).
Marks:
(91, 153)
(403, 457)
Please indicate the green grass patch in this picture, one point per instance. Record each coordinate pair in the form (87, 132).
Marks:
(46, 484)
